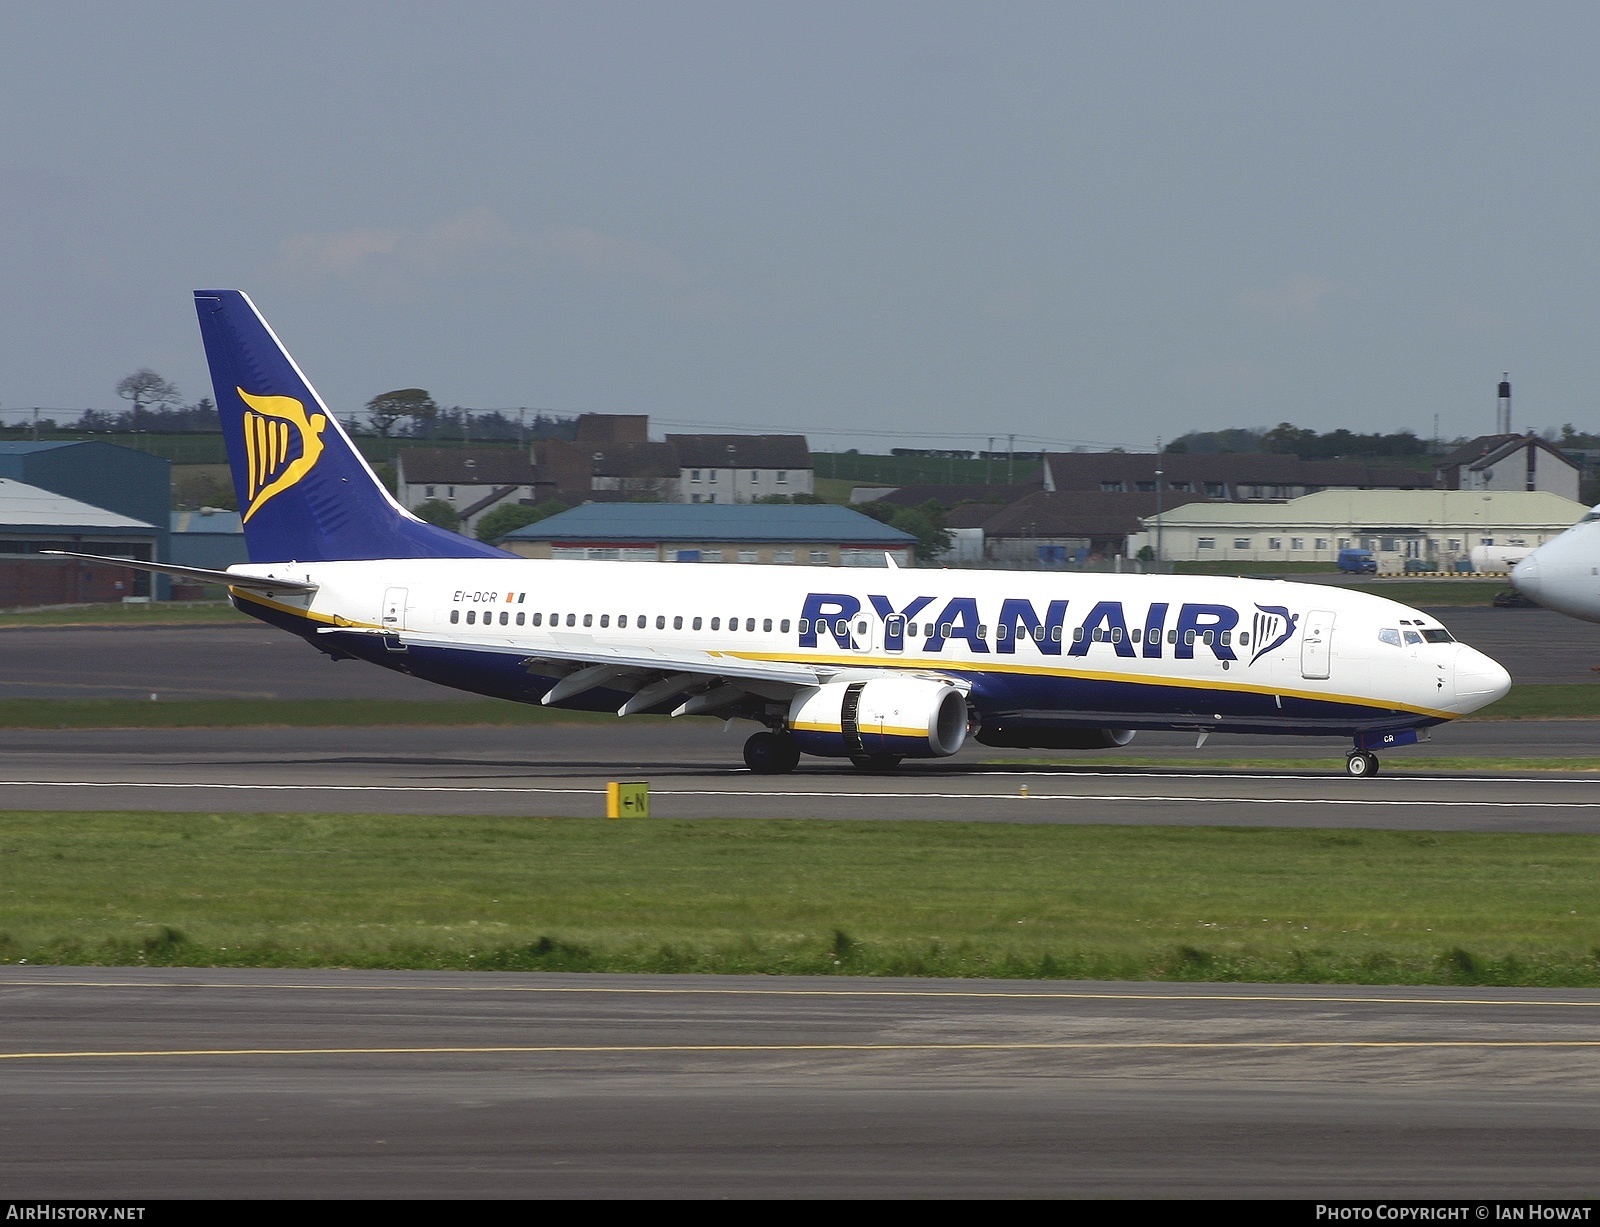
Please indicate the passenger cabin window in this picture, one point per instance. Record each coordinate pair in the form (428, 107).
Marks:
(572, 619)
(472, 616)
(588, 620)
(696, 624)
(455, 615)
(1390, 636)
(783, 627)
(605, 621)
(750, 624)
(504, 617)
(804, 626)
(521, 617)
(766, 624)
(716, 624)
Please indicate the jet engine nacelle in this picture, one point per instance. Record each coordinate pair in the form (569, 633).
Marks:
(911, 717)
(1053, 739)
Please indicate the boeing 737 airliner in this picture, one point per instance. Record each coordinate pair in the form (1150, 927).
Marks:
(872, 666)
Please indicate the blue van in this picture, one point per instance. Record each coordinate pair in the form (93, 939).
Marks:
(1358, 562)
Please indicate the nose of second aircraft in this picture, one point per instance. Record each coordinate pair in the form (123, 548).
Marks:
(1480, 681)
(1525, 576)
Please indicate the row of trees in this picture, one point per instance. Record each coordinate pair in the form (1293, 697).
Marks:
(495, 524)
(1288, 439)
(157, 407)
(412, 413)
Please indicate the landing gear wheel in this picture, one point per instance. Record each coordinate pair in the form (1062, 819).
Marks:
(771, 753)
(1360, 765)
(875, 762)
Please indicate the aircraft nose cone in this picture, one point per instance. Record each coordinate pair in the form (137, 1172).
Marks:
(1525, 576)
(1479, 680)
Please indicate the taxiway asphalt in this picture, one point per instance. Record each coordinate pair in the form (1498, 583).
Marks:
(695, 771)
(130, 1083)
(250, 660)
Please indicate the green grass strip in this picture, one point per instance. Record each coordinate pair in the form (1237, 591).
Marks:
(157, 613)
(1394, 763)
(781, 897)
(282, 713)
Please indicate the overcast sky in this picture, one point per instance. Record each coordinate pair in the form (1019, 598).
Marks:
(1103, 222)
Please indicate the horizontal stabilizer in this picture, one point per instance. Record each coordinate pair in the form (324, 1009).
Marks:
(256, 583)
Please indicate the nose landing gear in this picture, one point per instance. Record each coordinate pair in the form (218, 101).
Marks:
(1361, 764)
(771, 753)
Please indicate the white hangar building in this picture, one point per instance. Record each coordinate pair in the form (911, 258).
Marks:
(1439, 527)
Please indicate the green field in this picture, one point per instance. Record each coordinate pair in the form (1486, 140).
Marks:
(156, 613)
(857, 898)
(284, 713)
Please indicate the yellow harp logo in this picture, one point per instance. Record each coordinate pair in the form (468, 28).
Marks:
(271, 425)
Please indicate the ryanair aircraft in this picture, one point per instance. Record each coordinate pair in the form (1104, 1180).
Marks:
(873, 666)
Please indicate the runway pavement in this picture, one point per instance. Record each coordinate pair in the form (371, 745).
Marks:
(695, 771)
(251, 660)
(130, 1083)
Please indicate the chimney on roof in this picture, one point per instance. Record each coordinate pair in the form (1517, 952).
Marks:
(1503, 405)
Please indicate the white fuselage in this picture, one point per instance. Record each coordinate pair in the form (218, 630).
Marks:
(1564, 574)
(1023, 641)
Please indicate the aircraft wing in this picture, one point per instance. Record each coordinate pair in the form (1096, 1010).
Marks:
(255, 583)
(716, 679)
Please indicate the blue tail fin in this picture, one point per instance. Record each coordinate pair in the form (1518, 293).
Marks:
(305, 492)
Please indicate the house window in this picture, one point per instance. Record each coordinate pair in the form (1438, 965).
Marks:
(1145, 487)
(1182, 487)
(1455, 544)
(747, 556)
(1297, 543)
(1215, 489)
(754, 475)
(1344, 543)
(1257, 491)
(711, 475)
(782, 555)
(1388, 544)
(1322, 543)
(694, 474)
(783, 477)
(1274, 543)
(427, 491)
(1485, 540)
(711, 498)
(710, 555)
(819, 556)
(1112, 487)
(1241, 543)
(1207, 543)
(450, 492)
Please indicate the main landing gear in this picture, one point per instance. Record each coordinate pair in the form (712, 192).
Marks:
(771, 753)
(1361, 764)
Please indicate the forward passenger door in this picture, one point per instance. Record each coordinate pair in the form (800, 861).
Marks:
(1316, 645)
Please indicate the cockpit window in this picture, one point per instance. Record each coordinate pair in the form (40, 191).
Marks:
(1413, 637)
(1389, 635)
(1438, 635)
